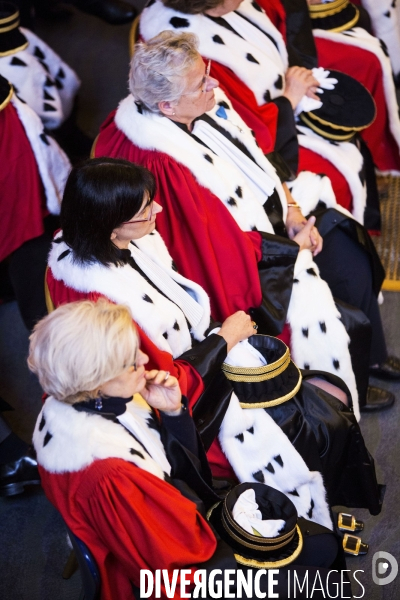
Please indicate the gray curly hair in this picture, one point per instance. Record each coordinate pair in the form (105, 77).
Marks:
(159, 67)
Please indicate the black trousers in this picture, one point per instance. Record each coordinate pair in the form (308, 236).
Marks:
(346, 267)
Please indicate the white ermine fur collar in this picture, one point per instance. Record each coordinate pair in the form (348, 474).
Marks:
(66, 440)
(260, 64)
(362, 39)
(258, 450)
(52, 162)
(160, 319)
(155, 132)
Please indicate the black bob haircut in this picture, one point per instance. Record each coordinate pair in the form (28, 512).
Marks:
(100, 195)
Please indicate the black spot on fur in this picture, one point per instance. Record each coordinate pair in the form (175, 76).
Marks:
(336, 364)
(59, 85)
(259, 476)
(251, 429)
(312, 272)
(208, 157)
(179, 23)
(61, 73)
(63, 254)
(47, 96)
(44, 139)
(139, 107)
(232, 201)
(136, 452)
(218, 39)
(152, 423)
(279, 460)
(42, 423)
(279, 83)
(306, 366)
(322, 326)
(294, 493)
(38, 53)
(239, 192)
(304, 331)
(384, 48)
(393, 5)
(45, 66)
(240, 437)
(48, 107)
(47, 438)
(176, 326)
(256, 6)
(267, 96)
(251, 58)
(148, 299)
(254, 228)
(387, 14)
(224, 104)
(270, 468)
(295, 280)
(17, 62)
(165, 335)
(49, 82)
(310, 511)
(361, 176)
(333, 143)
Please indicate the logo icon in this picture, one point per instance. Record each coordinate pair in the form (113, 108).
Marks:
(384, 568)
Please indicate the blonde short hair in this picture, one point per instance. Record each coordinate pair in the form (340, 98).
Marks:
(80, 346)
(159, 68)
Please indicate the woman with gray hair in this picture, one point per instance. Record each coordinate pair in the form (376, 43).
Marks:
(223, 206)
(120, 459)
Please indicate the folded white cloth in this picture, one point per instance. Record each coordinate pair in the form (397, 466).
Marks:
(247, 514)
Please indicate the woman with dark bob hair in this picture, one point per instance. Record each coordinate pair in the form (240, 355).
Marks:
(120, 458)
(109, 248)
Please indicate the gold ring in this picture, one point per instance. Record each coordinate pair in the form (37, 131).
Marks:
(255, 326)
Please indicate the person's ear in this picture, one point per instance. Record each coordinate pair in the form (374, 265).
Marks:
(166, 108)
(113, 236)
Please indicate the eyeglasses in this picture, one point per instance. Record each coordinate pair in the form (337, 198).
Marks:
(204, 82)
(150, 207)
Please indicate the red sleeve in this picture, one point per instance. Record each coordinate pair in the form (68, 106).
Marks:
(225, 262)
(22, 199)
(145, 522)
(261, 119)
(190, 382)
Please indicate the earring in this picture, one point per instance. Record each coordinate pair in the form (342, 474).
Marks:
(174, 113)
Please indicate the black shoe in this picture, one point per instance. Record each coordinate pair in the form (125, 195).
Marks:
(390, 369)
(114, 12)
(377, 399)
(14, 476)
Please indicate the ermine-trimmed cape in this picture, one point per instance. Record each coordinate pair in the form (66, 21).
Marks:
(42, 80)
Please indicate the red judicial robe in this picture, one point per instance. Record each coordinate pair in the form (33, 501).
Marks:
(366, 68)
(117, 502)
(22, 198)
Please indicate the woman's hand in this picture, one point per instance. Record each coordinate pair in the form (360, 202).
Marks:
(162, 391)
(299, 82)
(309, 238)
(236, 328)
(295, 221)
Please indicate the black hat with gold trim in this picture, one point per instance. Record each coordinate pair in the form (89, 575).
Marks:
(254, 550)
(346, 110)
(261, 387)
(335, 16)
(12, 40)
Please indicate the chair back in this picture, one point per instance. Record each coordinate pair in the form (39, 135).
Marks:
(88, 568)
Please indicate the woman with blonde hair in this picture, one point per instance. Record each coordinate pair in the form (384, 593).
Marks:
(119, 457)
